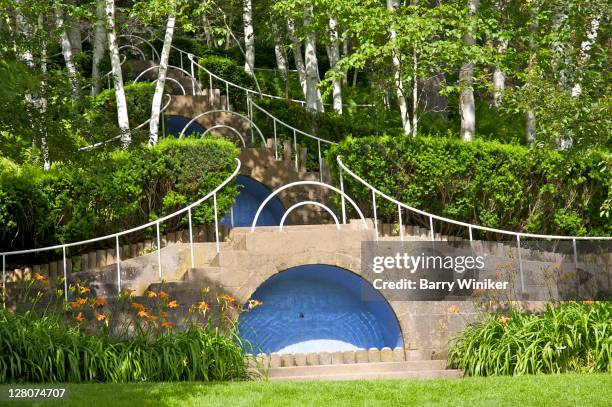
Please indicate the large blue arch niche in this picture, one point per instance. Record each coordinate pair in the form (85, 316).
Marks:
(316, 308)
(252, 194)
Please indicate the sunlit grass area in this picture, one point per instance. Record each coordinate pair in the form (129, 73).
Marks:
(541, 390)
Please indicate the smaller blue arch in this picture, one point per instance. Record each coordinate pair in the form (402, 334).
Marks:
(175, 124)
(251, 195)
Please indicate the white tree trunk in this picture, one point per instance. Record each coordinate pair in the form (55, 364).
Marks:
(67, 51)
(499, 78)
(281, 57)
(313, 94)
(345, 52)
(25, 30)
(334, 57)
(415, 93)
(296, 49)
(530, 118)
(161, 81)
(42, 101)
(122, 113)
(98, 48)
(392, 5)
(467, 106)
(73, 30)
(249, 37)
(584, 55)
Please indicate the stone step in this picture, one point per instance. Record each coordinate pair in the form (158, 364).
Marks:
(427, 374)
(370, 367)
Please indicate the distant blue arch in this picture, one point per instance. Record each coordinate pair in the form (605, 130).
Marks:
(252, 194)
(175, 124)
(316, 308)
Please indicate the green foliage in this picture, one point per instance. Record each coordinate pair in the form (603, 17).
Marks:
(112, 191)
(569, 337)
(44, 350)
(487, 183)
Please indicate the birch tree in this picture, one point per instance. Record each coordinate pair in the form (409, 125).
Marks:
(281, 57)
(98, 48)
(161, 80)
(467, 108)
(73, 76)
(334, 56)
(122, 112)
(296, 50)
(392, 6)
(313, 94)
(249, 37)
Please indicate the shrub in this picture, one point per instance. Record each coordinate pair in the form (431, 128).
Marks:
(112, 191)
(487, 183)
(569, 337)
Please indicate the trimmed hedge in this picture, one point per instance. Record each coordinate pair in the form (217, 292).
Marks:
(113, 191)
(483, 182)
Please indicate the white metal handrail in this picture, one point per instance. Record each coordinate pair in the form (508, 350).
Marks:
(229, 84)
(225, 126)
(154, 52)
(314, 203)
(116, 236)
(194, 82)
(470, 226)
(313, 183)
(195, 118)
(141, 125)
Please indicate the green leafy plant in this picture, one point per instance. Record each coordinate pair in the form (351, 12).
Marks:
(566, 337)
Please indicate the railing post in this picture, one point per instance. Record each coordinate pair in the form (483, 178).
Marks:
(159, 263)
(431, 228)
(118, 264)
(320, 162)
(216, 222)
(520, 259)
(210, 92)
(65, 273)
(4, 281)
(227, 104)
(191, 238)
(342, 197)
(296, 151)
(275, 141)
(575, 254)
(401, 224)
(375, 216)
(193, 80)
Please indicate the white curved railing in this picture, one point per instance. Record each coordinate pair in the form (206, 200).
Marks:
(225, 126)
(141, 125)
(304, 203)
(194, 82)
(132, 37)
(195, 118)
(116, 236)
(296, 132)
(313, 183)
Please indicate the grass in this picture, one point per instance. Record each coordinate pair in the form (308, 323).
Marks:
(541, 390)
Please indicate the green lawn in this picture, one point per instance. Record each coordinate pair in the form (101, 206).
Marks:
(550, 390)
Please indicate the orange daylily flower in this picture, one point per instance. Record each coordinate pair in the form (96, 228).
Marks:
(74, 304)
(39, 277)
(151, 294)
(588, 302)
(173, 304)
(254, 304)
(167, 324)
(84, 290)
(138, 307)
(100, 302)
(503, 320)
(227, 298)
(203, 307)
(143, 314)
(79, 316)
(163, 295)
(100, 317)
